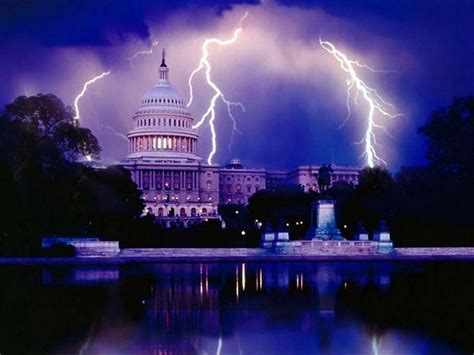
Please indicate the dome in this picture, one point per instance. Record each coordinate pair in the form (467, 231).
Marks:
(163, 125)
(163, 97)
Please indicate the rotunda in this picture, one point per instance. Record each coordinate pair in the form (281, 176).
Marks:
(163, 125)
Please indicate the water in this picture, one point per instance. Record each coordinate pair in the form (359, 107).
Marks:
(238, 308)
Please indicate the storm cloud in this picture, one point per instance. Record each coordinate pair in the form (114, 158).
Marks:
(293, 91)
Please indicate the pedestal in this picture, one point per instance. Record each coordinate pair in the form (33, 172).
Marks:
(325, 228)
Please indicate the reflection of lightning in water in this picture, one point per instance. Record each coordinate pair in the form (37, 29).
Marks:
(83, 92)
(373, 99)
(376, 343)
(148, 51)
(88, 340)
(219, 345)
(210, 112)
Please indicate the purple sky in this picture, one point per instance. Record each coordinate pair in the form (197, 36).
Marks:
(294, 92)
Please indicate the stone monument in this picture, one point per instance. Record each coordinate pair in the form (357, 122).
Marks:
(325, 227)
(361, 233)
(382, 236)
(277, 240)
(268, 236)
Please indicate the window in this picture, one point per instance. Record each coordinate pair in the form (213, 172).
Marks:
(176, 180)
(209, 184)
(193, 212)
(146, 179)
(238, 188)
(189, 180)
(249, 188)
(167, 181)
(158, 180)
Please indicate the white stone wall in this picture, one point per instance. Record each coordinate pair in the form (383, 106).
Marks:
(238, 185)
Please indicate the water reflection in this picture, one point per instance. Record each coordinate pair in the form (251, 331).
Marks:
(235, 308)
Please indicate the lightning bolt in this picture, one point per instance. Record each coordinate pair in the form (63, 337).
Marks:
(211, 112)
(83, 92)
(112, 130)
(148, 51)
(376, 104)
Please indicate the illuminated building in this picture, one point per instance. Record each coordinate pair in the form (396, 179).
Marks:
(178, 187)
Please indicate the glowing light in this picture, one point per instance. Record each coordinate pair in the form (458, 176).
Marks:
(219, 345)
(376, 344)
(83, 92)
(376, 104)
(218, 94)
(148, 51)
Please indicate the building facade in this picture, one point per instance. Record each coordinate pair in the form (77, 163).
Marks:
(178, 187)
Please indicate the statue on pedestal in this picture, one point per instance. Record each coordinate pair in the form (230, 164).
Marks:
(325, 227)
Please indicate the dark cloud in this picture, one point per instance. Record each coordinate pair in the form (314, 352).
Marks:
(83, 22)
(293, 91)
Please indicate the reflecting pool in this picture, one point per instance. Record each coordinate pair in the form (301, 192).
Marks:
(238, 308)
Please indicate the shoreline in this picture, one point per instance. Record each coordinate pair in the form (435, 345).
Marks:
(185, 255)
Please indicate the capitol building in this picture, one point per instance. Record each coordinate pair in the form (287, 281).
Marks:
(178, 186)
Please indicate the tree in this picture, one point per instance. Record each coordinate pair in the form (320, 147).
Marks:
(285, 203)
(44, 190)
(450, 135)
(373, 197)
(49, 130)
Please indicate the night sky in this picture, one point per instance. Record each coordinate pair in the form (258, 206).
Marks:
(294, 92)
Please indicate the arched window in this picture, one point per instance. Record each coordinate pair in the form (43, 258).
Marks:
(182, 212)
(160, 212)
(193, 212)
(204, 212)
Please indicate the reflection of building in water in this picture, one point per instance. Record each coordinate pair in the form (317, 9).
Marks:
(187, 308)
(80, 275)
(177, 186)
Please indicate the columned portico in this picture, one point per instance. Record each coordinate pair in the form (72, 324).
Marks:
(163, 160)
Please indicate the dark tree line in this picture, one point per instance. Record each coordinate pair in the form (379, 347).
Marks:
(422, 205)
(44, 191)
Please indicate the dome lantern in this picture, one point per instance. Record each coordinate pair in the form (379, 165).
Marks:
(163, 70)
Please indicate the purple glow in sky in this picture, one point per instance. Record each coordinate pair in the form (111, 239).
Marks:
(293, 91)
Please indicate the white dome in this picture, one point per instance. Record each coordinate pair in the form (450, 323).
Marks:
(163, 125)
(163, 97)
